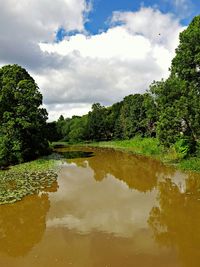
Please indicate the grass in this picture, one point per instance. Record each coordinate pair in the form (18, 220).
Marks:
(27, 178)
(137, 145)
(190, 164)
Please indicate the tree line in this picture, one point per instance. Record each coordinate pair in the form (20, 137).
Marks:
(136, 114)
(169, 110)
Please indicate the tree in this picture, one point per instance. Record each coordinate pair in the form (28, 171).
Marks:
(97, 122)
(178, 98)
(52, 132)
(78, 129)
(138, 115)
(22, 121)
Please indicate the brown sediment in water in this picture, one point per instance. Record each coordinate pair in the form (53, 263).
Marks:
(110, 209)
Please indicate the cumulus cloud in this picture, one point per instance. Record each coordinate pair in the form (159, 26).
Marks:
(83, 69)
(25, 23)
(107, 66)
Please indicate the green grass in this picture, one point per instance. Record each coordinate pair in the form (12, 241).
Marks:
(190, 164)
(137, 145)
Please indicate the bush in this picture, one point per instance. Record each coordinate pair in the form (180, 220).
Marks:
(182, 148)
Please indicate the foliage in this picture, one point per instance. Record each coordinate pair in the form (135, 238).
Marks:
(97, 124)
(137, 115)
(190, 164)
(51, 131)
(138, 145)
(22, 121)
(78, 129)
(182, 147)
(178, 98)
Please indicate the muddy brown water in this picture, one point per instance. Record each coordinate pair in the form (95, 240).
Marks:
(108, 209)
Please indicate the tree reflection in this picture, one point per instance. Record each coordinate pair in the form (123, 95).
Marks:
(22, 224)
(137, 172)
(177, 219)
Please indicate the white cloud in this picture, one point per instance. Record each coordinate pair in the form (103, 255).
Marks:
(25, 23)
(83, 69)
(110, 65)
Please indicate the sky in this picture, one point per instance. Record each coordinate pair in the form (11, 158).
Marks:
(85, 51)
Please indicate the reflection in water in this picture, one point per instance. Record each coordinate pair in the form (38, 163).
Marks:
(137, 172)
(70, 153)
(76, 154)
(177, 219)
(86, 205)
(22, 224)
(109, 206)
(106, 213)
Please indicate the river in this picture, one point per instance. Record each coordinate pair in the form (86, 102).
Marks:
(107, 209)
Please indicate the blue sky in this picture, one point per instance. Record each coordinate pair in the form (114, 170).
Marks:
(103, 9)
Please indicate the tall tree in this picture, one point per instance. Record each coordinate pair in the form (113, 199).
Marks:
(178, 98)
(22, 121)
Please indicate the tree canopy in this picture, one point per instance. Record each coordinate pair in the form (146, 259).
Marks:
(178, 98)
(22, 121)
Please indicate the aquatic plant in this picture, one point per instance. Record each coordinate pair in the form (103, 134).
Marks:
(26, 179)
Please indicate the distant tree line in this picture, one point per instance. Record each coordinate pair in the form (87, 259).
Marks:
(136, 114)
(170, 110)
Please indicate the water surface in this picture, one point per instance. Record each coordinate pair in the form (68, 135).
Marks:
(108, 209)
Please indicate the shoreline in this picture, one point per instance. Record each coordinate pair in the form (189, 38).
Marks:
(148, 147)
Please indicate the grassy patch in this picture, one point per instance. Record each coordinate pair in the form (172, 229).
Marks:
(27, 178)
(191, 164)
(137, 145)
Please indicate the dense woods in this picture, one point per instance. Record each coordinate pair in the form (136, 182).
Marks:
(169, 110)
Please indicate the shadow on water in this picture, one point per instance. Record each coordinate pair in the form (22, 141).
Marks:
(71, 153)
(23, 223)
(76, 154)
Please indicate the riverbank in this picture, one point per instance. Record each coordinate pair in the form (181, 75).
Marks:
(27, 179)
(148, 147)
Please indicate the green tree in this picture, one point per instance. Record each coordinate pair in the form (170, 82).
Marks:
(97, 122)
(138, 115)
(22, 121)
(78, 128)
(62, 127)
(178, 98)
(52, 132)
